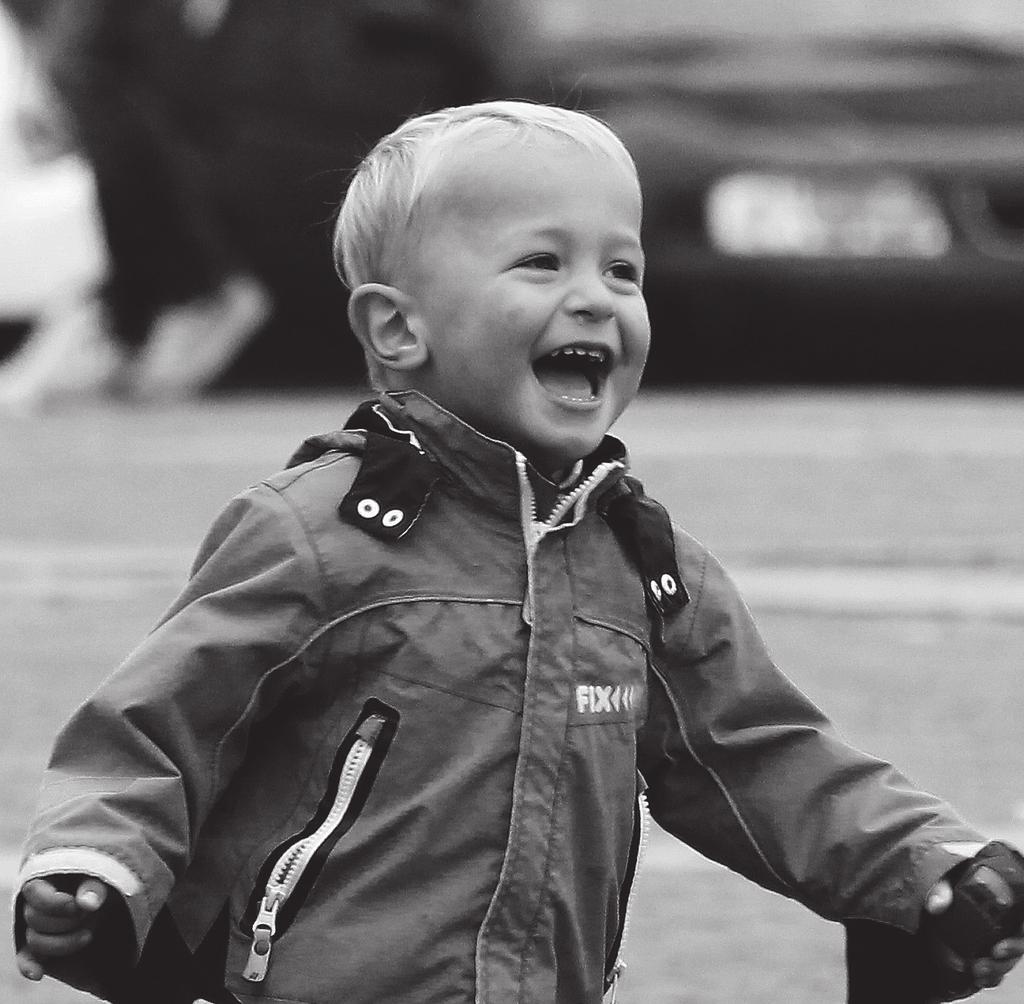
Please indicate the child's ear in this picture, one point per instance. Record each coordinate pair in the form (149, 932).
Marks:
(379, 315)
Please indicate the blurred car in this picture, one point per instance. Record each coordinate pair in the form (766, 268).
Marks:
(833, 191)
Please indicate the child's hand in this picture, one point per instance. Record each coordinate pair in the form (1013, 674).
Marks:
(985, 970)
(58, 922)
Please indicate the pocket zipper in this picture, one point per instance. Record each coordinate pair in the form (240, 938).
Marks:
(645, 831)
(295, 858)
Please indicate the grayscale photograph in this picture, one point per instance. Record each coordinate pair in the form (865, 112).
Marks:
(512, 501)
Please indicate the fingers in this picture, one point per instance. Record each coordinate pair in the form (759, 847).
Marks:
(940, 897)
(1010, 949)
(991, 971)
(42, 895)
(91, 895)
(44, 899)
(47, 910)
(47, 946)
(56, 946)
(28, 966)
(57, 923)
(48, 923)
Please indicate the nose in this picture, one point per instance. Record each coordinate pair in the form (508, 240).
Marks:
(589, 299)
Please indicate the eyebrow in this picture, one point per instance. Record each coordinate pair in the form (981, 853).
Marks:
(627, 238)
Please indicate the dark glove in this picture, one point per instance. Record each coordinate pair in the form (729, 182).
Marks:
(889, 966)
(987, 907)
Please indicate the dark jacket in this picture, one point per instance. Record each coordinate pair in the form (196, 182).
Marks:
(394, 736)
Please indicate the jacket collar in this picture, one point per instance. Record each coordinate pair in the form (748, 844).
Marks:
(485, 468)
(410, 443)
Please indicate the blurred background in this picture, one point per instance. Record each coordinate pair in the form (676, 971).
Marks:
(835, 234)
(835, 192)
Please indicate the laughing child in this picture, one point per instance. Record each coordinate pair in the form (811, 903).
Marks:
(397, 739)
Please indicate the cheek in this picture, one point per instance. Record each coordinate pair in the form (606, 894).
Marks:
(640, 330)
(516, 312)
(512, 320)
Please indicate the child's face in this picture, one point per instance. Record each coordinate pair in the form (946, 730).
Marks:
(525, 282)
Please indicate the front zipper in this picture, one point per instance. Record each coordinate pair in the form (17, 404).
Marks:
(582, 490)
(292, 862)
(534, 528)
(644, 818)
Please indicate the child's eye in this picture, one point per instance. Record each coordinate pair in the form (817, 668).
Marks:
(624, 270)
(546, 262)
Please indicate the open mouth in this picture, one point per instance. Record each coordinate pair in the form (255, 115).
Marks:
(575, 372)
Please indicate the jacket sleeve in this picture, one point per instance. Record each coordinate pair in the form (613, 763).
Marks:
(748, 771)
(135, 772)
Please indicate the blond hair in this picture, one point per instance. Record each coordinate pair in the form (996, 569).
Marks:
(382, 198)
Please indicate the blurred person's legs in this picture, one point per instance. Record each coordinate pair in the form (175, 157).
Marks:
(180, 297)
(333, 77)
(179, 303)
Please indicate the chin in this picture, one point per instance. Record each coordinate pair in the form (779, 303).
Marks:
(560, 458)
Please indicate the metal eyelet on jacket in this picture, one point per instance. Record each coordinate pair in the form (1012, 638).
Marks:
(368, 508)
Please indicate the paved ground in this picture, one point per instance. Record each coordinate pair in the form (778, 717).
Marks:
(879, 538)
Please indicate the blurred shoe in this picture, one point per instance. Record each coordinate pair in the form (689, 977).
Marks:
(71, 353)
(191, 346)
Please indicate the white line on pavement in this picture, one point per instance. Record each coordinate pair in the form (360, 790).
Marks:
(46, 571)
(919, 592)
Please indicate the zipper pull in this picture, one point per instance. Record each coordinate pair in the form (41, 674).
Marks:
(263, 930)
(369, 730)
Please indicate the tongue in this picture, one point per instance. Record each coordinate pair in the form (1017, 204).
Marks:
(564, 382)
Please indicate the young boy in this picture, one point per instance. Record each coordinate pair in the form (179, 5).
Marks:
(396, 740)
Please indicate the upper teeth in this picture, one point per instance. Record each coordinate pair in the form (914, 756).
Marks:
(594, 355)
